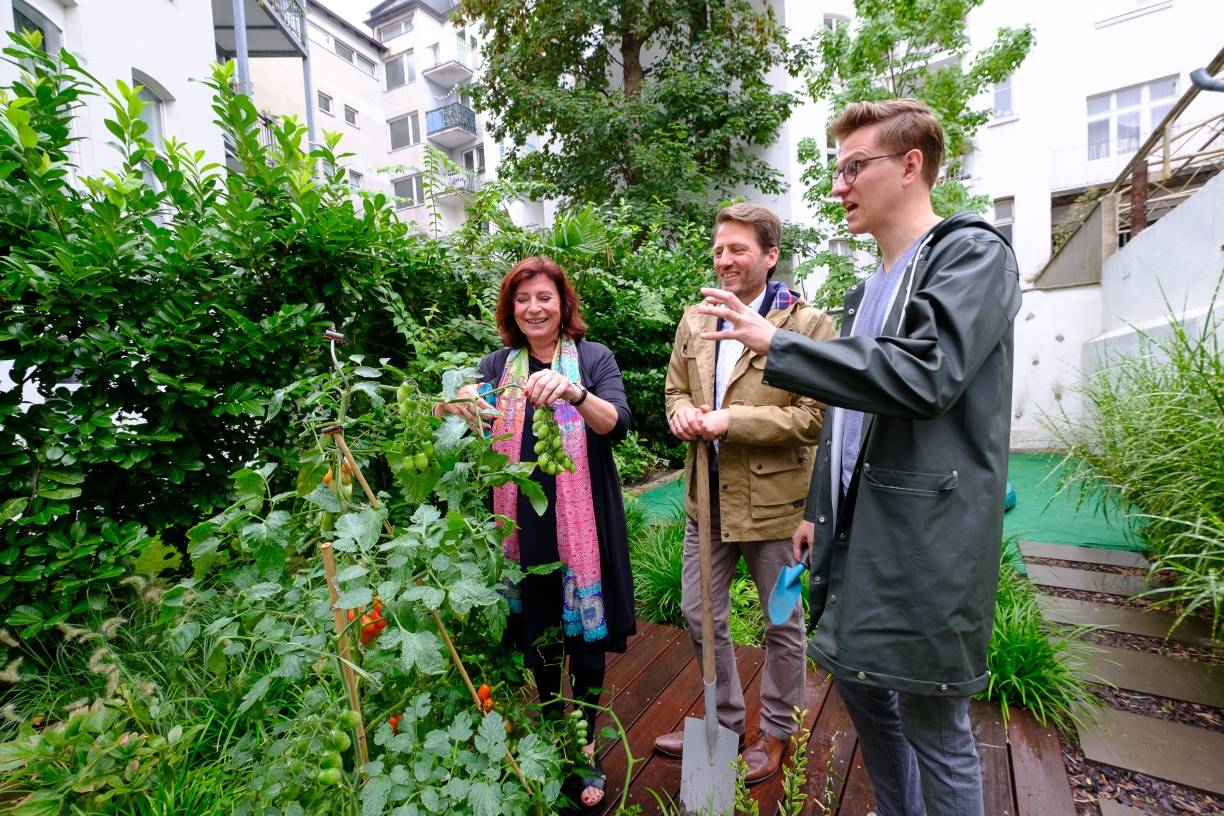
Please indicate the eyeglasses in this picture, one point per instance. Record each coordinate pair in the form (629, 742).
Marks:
(851, 170)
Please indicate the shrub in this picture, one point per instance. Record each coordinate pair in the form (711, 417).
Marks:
(1151, 443)
(634, 461)
(1033, 663)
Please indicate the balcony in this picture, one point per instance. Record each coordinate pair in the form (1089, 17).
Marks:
(459, 184)
(451, 66)
(451, 125)
(274, 28)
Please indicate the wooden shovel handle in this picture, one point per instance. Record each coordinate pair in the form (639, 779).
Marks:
(701, 478)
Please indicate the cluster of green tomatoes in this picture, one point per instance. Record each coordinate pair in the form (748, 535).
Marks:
(331, 764)
(548, 447)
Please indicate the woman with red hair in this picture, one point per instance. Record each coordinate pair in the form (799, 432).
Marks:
(585, 608)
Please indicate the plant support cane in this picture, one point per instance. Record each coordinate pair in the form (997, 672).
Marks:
(337, 434)
(707, 775)
(342, 641)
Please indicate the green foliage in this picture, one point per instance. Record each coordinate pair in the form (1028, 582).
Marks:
(658, 563)
(1150, 442)
(1034, 663)
(659, 102)
(914, 48)
(149, 310)
(634, 461)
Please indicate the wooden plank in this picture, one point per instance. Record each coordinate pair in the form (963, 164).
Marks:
(646, 632)
(629, 695)
(662, 774)
(858, 799)
(1157, 674)
(1090, 555)
(817, 683)
(1109, 583)
(1168, 750)
(1149, 623)
(1039, 777)
(830, 751)
(991, 741)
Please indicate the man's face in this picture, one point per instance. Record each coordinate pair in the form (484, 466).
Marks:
(741, 264)
(876, 190)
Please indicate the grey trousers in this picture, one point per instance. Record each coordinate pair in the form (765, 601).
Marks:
(782, 675)
(918, 750)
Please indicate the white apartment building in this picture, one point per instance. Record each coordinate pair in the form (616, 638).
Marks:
(391, 85)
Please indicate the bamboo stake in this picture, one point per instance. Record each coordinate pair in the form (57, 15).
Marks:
(336, 433)
(342, 640)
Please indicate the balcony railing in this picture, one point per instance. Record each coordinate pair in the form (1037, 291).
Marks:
(458, 182)
(291, 13)
(454, 115)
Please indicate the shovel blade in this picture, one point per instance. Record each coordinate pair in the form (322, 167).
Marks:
(785, 595)
(707, 775)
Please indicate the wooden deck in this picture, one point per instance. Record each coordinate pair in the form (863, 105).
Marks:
(657, 683)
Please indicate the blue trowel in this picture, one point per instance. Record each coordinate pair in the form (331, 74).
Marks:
(786, 592)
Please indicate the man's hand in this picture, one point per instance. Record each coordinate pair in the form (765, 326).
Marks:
(714, 424)
(746, 326)
(802, 539)
(686, 423)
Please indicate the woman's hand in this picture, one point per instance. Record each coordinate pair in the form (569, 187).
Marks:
(547, 386)
(467, 404)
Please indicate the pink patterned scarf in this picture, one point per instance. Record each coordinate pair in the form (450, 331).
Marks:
(577, 537)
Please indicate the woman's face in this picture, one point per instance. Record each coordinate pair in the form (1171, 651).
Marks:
(537, 309)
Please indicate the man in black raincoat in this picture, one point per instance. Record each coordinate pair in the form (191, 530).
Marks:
(905, 515)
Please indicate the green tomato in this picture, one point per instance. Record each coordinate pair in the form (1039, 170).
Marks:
(330, 777)
(331, 759)
(420, 461)
(338, 740)
(349, 719)
(576, 714)
(427, 449)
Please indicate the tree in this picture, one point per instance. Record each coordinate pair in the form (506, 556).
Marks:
(660, 101)
(915, 48)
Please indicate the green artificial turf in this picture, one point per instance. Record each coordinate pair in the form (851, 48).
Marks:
(1039, 515)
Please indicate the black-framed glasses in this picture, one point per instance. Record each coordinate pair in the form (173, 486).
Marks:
(851, 170)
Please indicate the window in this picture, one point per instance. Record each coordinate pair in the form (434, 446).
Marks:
(355, 178)
(840, 246)
(409, 192)
(350, 115)
(1005, 216)
(1003, 99)
(401, 70)
(392, 30)
(1119, 120)
(405, 131)
(325, 103)
(152, 115)
(836, 21)
(474, 160)
(26, 18)
(349, 54)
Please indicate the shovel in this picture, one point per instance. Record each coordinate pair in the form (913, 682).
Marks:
(707, 775)
(786, 591)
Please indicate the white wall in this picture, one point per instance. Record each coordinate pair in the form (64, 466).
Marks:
(172, 42)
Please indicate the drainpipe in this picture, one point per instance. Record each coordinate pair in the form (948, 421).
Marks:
(1138, 195)
(240, 47)
(307, 81)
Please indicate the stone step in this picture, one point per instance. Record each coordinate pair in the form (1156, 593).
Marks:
(1109, 583)
(1167, 750)
(1111, 808)
(1125, 619)
(1090, 555)
(1156, 674)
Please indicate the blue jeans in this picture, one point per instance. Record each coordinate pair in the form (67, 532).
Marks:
(918, 750)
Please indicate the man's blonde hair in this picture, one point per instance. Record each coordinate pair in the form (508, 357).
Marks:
(904, 124)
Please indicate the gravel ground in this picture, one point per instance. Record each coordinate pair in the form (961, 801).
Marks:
(1168, 648)
(1091, 782)
(1196, 714)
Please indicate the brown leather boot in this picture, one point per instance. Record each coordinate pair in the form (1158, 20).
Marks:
(672, 744)
(763, 756)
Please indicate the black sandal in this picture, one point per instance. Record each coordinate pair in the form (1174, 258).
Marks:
(583, 778)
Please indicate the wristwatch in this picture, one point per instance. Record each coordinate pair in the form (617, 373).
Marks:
(581, 397)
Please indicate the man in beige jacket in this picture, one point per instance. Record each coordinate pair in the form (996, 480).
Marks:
(759, 472)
